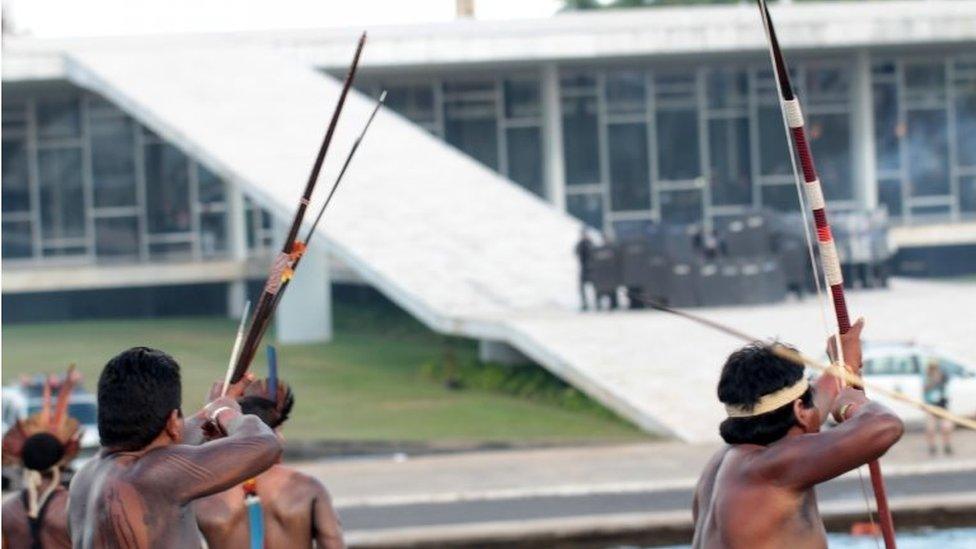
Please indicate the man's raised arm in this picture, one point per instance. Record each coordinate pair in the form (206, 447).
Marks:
(868, 430)
(191, 472)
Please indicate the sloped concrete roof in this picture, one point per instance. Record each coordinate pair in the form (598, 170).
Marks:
(448, 239)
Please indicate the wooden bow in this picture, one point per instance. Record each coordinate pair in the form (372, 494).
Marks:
(829, 261)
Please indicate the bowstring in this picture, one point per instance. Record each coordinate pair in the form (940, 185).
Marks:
(824, 306)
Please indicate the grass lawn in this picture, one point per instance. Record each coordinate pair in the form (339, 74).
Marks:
(368, 384)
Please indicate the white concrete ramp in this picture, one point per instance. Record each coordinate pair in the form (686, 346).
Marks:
(662, 371)
(460, 247)
(448, 239)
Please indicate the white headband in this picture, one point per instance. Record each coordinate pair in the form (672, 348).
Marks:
(770, 402)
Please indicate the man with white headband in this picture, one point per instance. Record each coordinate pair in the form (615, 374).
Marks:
(758, 491)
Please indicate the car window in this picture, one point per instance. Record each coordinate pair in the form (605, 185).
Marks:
(85, 412)
(892, 365)
(913, 366)
(950, 368)
(8, 414)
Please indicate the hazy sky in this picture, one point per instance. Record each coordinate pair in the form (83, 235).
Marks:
(59, 18)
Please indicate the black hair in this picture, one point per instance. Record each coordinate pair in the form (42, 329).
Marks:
(266, 410)
(41, 451)
(748, 374)
(137, 391)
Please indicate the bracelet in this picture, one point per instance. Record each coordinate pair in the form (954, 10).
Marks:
(215, 413)
(844, 409)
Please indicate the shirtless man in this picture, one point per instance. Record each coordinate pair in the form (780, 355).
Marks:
(759, 490)
(136, 491)
(48, 527)
(296, 508)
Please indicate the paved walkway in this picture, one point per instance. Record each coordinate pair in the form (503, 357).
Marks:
(565, 471)
(517, 497)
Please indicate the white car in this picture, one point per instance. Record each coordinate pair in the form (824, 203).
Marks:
(901, 367)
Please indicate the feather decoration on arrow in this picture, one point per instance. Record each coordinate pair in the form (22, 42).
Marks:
(282, 267)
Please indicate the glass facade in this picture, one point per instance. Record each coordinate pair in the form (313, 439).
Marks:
(925, 133)
(84, 183)
(644, 144)
(686, 145)
(495, 120)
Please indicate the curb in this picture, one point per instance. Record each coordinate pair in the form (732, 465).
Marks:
(665, 527)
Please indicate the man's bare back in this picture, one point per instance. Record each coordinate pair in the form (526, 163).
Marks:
(53, 527)
(739, 509)
(136, 492)
(297, 510)
(141, 499)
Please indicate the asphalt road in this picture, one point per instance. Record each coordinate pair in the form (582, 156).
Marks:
(530, 508)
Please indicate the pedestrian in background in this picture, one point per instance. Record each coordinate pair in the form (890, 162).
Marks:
(584, 251)
(936, 394)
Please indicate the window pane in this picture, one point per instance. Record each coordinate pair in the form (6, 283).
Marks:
(827, 85)
(62, 198)
(966, 122)
(470, 120)
(171, 250)
(774, 149)
(677, 144)
(681, 206)
(928, 153)
(927, 214)
(887, 133)
(415, 102)
(62, 251)
(727, 88)
(967, 194)
(17, 239)
(117, 237)
(588, 208)
(830, 141)
(630, 187)
(889, 194)
(16, 187)
(211, 187)
(675, 87)
(730, 164)
(625, 92)
(14, 115)
(577, 84)
(167, 189)
(632, 229)
(525, 158)
(925, 82)
(522, 99)
(781, 198)
(58, 117)
(581, 147)
(113, 162)
(213, 234)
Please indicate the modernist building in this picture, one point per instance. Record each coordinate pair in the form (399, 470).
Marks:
(618, 118)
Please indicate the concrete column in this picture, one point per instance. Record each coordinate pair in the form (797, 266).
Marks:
(500, 352)
(305, 312)
(237, 248)
(864, 168)
(552, 136)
